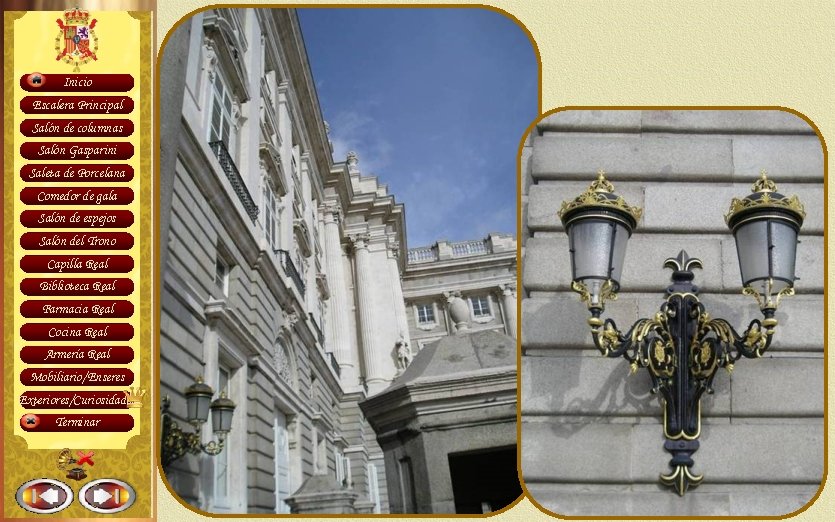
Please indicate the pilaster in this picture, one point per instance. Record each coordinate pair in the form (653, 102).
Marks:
(398, 303)
(339, 329)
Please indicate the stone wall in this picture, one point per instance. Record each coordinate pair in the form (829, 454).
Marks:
(592, 441)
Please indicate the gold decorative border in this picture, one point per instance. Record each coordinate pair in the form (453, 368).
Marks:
(8, 241)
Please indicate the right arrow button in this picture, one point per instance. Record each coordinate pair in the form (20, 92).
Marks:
(107, 496)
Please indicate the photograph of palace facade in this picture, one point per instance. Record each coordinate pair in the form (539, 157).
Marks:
(286, 285)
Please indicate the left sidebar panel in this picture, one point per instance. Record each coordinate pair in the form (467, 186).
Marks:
(77, 405)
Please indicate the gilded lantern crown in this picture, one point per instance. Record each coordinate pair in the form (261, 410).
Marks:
(199, 388)
(76, 16)
(764, 197)
(223, 402)
(600, 196)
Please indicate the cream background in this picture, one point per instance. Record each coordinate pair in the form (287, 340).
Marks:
(672, 52)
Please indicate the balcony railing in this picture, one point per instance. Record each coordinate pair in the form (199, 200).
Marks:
(422, 254)
(235, 179)
(290, 270)
(446, 250)
(319, 334)
(468, 248)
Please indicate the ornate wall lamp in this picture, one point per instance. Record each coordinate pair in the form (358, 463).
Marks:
(682, 346)
(176, 443)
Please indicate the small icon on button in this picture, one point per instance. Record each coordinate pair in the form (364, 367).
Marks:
(30, 421)
(44, 496)
(35, 80)
(106, 496)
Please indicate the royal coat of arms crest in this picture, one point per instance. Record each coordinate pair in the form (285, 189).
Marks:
(77, 33)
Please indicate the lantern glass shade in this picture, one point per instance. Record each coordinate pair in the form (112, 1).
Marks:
(597, 248)
(222, 411)
(198, 407)
(767, 250)
(198, 399)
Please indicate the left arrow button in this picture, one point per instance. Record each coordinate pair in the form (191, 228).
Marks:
(44, 496)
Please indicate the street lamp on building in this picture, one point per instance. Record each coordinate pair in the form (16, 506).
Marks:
(176, 443)
(682, 346)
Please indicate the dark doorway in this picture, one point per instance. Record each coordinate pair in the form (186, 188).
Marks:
(484, 480)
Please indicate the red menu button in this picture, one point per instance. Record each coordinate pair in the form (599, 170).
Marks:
(84, 422)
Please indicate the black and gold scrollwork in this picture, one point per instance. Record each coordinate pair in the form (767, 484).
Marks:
(682, 347)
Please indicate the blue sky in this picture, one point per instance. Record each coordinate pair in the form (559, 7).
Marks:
(434, 102)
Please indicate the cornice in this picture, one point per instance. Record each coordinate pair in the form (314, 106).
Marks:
(218, 313)
(462, 264)
(491, 388)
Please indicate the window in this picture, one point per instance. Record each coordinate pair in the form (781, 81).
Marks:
(480, 306)
(221, 461)
(426, 314)
(346, 465)
(271, 218)
(220, 125)
(282, 463)
(301, 265)
(342, 465)
(222, 269)
(320, 455)
(374, 487)
(225, 489)
(298, 203)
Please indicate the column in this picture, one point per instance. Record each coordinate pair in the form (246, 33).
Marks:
(340, 332)
(365, 280)
(397, 291)
(509, 305)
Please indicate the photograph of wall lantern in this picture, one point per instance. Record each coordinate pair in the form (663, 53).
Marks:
(682, 346)
(176, 443)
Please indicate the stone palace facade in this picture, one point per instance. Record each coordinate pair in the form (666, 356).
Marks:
(285, 278)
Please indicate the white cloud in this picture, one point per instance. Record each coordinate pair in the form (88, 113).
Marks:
(354, 131)
(442, 202)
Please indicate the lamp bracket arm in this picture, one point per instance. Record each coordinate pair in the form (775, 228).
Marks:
(176, 442)
(634, 345)
(212, 447)
(731, 345)
(608, 339)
